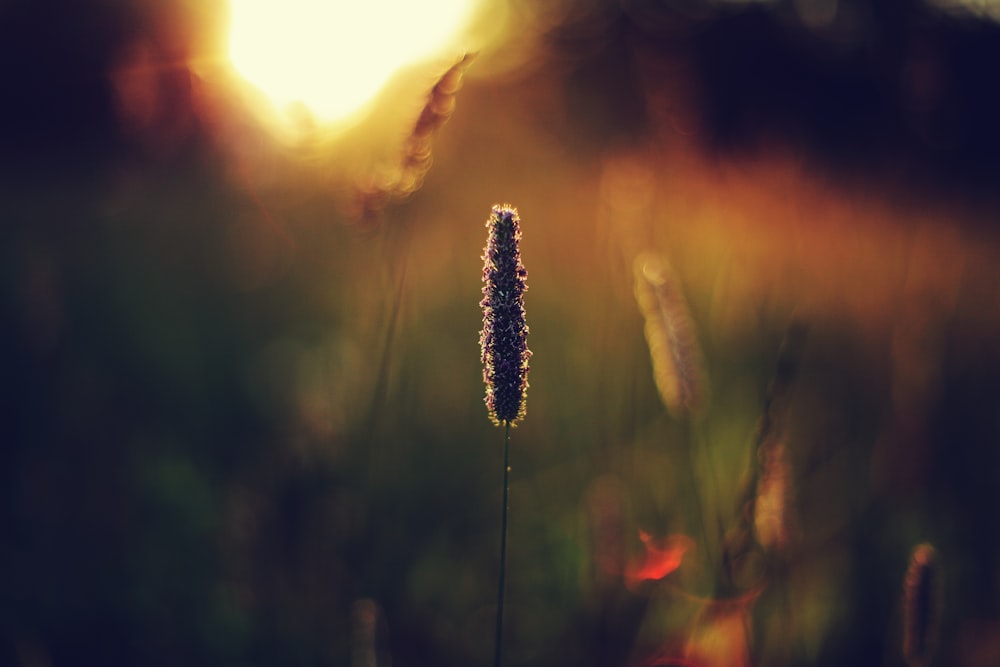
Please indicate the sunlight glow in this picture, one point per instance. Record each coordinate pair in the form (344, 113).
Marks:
(334, 56)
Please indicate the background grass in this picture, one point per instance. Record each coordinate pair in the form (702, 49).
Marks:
(232, 410)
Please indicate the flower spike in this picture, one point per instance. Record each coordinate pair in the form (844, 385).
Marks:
(504, 338)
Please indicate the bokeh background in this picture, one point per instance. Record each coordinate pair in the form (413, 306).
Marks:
(241, 392)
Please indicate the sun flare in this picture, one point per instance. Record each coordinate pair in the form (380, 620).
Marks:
(334, 56)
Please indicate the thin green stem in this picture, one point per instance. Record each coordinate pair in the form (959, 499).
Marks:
(503, 545)
(689, 450)
(705, 447)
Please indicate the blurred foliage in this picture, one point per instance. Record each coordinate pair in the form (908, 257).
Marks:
(243, 427)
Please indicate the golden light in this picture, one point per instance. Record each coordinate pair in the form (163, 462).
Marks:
(334, 56)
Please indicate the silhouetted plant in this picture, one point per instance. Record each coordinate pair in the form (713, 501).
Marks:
(505, 354)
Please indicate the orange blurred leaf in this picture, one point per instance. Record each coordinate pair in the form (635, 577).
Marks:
(663, 556)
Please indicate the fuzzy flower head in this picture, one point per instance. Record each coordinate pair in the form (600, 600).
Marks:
(504, 339)
(772, 513)
(678, 367)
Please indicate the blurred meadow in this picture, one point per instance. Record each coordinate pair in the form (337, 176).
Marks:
(243, 415)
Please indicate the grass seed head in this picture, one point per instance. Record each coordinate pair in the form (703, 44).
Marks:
(504, 338)
(678, 366)
(772, 504)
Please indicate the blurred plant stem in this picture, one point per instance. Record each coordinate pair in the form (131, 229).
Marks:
(690, 442)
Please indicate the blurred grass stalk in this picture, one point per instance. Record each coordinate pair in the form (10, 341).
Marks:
(921, 599)
(364, 616)
(763, 520)
(678, 364)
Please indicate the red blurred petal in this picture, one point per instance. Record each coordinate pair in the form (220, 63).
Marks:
(663, 556)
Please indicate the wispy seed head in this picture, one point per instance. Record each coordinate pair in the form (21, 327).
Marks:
(921, 599)
(673, 346)
(772, 504)
(504, 338)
